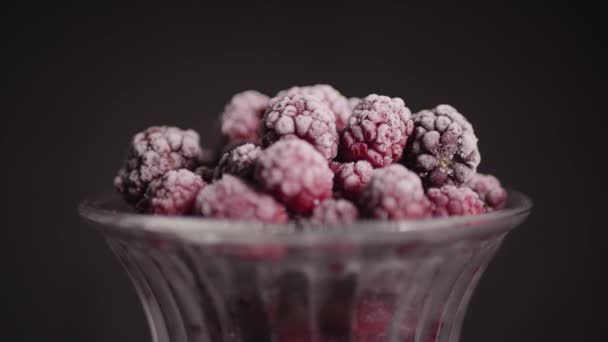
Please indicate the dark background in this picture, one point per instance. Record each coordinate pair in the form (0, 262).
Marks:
(82, 81)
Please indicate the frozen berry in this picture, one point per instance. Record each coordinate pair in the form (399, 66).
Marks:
(377, 131)
(239, 162)
(489, 190)
(337, 103)
(206, 173)
(153, 153)
(295, 173)
(232, 198)
(443, 149)
(172, 194)
(334, 166)
(395, 192)
(350, 178)
(240, 120)
(353, 102)
(372, 319)
(304, 117)
(334, 211)
(455, 201)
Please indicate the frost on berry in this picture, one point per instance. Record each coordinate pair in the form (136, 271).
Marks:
(239, 162)
(334, 211)
(337, 103)
(350, 178)
(295, 173)
(353, 102)
(394, 193)
(151, 154)
(377, 131)
(172, 194)
(450, 200)
(443, 149)
(240, 120)
(304, 117)
(232, 198)
(489, 190)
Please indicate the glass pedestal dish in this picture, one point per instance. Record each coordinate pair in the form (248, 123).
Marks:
(210, 280)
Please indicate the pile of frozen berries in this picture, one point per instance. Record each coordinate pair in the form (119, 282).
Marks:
(311, 154)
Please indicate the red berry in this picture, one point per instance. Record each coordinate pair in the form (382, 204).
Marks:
(304, 117)
(239, 162)
(350, 178)
(337, 103)
(334, 211)
(395, 193)
(443, 149)
(241, 117)
(295, 173)
(172, 194)
(489, 190)
(454, 201)
(372, 319)
(377, 131)
(231, 198)
(153, 153)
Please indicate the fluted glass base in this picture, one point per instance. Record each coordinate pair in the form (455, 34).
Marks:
(399, 282)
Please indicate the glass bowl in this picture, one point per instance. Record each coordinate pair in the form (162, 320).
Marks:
(215, 280)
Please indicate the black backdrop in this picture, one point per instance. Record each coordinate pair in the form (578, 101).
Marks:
(81, 81)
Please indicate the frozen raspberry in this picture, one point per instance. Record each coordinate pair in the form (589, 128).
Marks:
(353, 102)
(443, 149)
(206, 173)
(239, 162)
(337, 103)
(350, 178)
(372, 319)
(334, 166)
(304, 117)
(172, 194)
(489, 190)
(231, 198)
(377, 131)
(334, 211)
(153, 153)
(395, 192)
(240, 120)
(295, 173)
(454, 201)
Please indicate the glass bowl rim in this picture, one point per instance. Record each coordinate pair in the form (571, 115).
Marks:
(101, 211)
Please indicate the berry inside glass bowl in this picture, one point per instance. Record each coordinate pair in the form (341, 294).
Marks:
(368, 280)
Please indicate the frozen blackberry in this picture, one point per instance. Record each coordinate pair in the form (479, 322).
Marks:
(239, 162)
(394, 193)
(443, 149)
(489, 190)
(337, 103)
(172, 194)
(295, 173)
(153, 153)
(232, 198)
(304, 117)
(350, 178)
(240, 120)
(334, 211)
(450, 200)
(377, 131)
